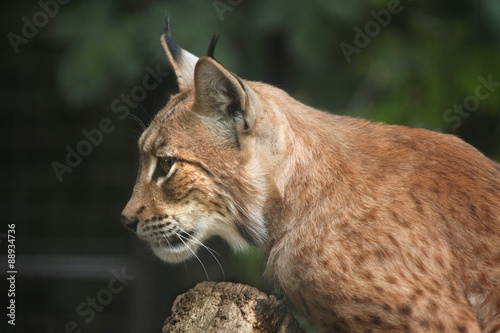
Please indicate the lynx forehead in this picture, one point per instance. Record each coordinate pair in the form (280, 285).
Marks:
(367, 227)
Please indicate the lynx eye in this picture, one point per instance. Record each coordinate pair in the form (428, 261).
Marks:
(167, 165)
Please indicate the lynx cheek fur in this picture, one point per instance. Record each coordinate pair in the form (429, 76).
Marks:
(367, 227)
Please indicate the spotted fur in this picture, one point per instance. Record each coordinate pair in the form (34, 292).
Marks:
(367, 227)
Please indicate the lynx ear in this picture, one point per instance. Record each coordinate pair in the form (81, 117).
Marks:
(181, 60)
(219, 93)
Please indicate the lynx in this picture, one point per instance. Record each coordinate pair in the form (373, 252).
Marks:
(366, 227)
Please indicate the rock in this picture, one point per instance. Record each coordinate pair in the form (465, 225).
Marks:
(229, 307)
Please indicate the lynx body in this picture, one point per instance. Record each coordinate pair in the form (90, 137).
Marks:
(367, 227)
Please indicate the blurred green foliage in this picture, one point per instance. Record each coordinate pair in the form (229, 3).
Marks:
(426, 59)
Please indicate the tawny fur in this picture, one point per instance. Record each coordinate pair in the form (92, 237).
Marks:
(367, 227)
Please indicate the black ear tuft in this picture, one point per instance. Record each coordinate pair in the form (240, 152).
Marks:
(175, 49)
(213, 43)
(166, 28)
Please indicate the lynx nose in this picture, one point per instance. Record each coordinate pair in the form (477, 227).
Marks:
(129, 223)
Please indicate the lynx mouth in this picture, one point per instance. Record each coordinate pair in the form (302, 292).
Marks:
(174, 246)
(178, 239)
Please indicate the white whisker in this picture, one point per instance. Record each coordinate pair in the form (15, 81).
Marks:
(146, 112)
(168, 242)
(206, 273)
(137, 119)
(136, 134)
(198, 242)
(211, 251)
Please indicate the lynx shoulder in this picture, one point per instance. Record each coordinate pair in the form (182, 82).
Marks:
(367, 227)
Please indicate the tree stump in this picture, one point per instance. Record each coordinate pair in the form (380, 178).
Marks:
(229, 307)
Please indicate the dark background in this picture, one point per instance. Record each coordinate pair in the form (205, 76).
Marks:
(64, 77)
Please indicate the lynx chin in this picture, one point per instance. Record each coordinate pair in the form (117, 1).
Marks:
(366, 227)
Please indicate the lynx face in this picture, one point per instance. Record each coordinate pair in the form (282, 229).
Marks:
(198, 163)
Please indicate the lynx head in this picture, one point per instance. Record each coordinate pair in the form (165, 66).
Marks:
(202, 170)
